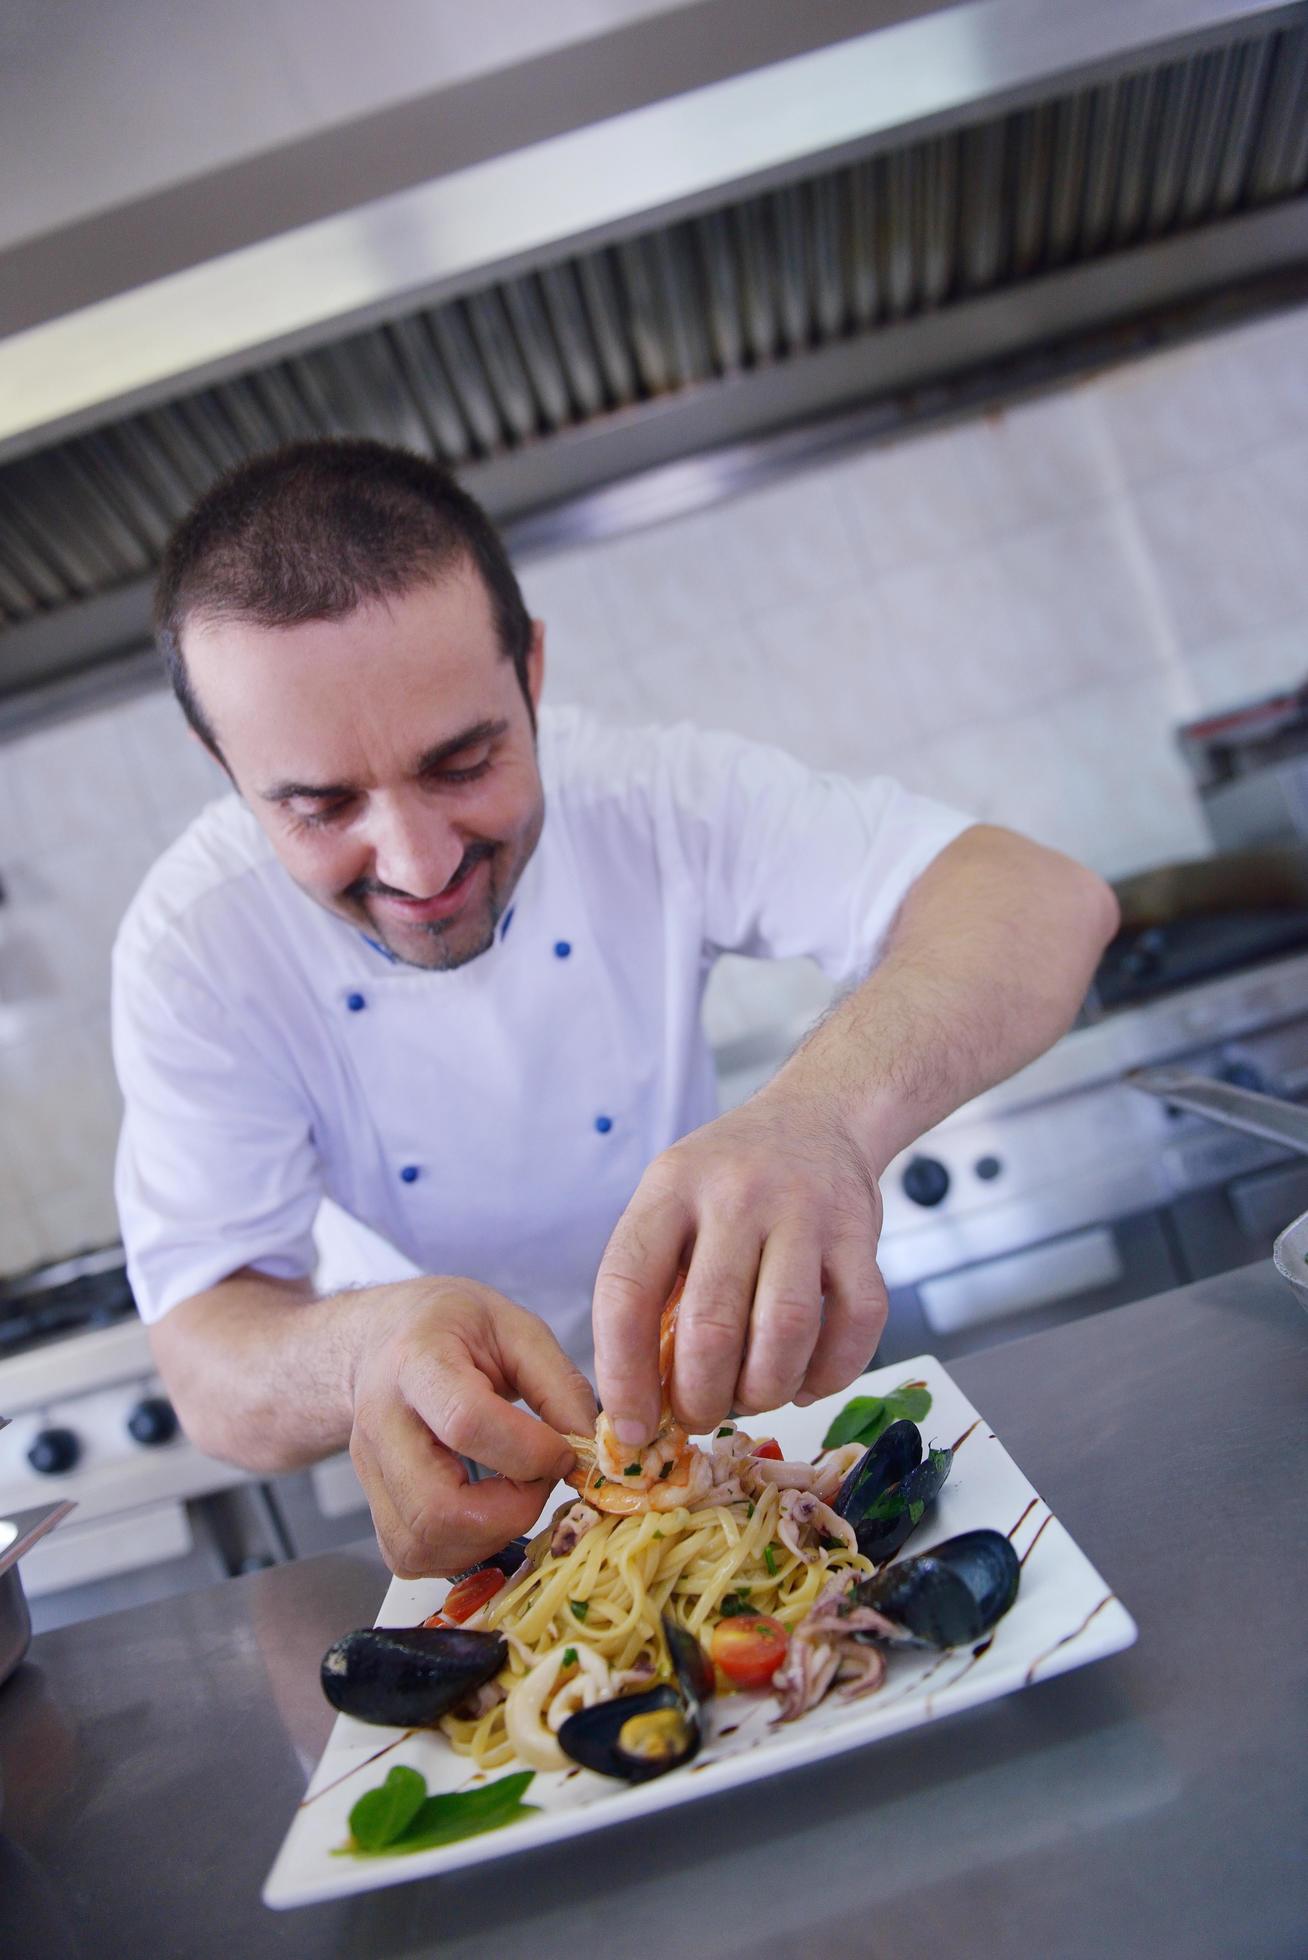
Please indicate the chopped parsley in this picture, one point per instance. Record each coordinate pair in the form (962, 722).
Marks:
(726, 1430)
(736, 1603)
(770, 1559)
(752, 1508)
(632, 1470)
(666, 1471)
(580, 1608)
(569, 1657)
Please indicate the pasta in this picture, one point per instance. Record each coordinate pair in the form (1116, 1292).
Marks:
(603, 1600)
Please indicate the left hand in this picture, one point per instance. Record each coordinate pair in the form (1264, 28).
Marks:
(775, 1215)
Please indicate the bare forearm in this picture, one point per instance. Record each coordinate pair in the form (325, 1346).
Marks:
(985, 968)
(261, 1371)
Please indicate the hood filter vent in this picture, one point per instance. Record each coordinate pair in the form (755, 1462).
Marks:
(838, 257)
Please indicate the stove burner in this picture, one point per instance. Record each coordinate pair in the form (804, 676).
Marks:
(76, 1295)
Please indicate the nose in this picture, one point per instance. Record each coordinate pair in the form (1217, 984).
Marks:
(415, 849)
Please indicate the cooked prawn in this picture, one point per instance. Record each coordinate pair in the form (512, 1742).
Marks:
(668, 1472)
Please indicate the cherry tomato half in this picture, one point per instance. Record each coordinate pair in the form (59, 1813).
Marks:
(750, 1648)
(471, 1594)
(771, 1449)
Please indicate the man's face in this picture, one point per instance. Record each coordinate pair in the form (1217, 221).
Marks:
(388, 756)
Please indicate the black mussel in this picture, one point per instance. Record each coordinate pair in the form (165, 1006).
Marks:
(891, 1518)
(897, 1450)
(949, 1596)
(691, 1665)
(506, 1561)
(637, 1737)
(890, 1489)
(408, 1677)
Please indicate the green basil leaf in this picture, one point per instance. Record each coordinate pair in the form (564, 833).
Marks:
(854, 1418)
(384, 1814)
(446, 1819)
(909, 1402)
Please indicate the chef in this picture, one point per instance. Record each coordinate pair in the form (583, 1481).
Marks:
(439, 960)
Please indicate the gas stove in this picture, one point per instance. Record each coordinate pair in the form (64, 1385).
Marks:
(86, 1291)
(1064, 1191)
(91, 1423)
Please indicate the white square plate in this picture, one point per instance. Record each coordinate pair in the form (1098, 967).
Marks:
(1064, 1616)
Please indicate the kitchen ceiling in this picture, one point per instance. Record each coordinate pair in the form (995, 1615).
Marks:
(701, 273)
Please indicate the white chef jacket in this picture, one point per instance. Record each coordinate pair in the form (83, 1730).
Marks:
(494, 1120)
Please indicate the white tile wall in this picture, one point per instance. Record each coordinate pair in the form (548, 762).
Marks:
(1012, 614)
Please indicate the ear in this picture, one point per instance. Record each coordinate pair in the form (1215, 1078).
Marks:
(536, 661)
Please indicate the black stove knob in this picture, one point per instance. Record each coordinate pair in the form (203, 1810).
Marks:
(926, 1181)
(153, 1421)
(54, 1452)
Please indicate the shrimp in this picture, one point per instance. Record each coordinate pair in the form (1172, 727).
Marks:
(668, 1472)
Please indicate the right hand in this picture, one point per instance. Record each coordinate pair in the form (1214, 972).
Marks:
(438, 1370)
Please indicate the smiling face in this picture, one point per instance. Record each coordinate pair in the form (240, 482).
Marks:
(389, 757)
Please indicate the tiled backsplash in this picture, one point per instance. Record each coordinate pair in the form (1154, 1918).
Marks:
(1012, 613)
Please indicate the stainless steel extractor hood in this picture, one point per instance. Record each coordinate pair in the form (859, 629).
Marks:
(827, 242)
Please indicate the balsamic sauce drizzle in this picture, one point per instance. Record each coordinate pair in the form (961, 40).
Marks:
(1075, 1634)
(1036, 1540)
(336, 1782)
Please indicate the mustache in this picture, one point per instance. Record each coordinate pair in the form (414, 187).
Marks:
(374, 888)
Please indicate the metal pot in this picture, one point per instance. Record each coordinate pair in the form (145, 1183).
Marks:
(1258, 1116)
(15, 1621)
(18, 1534)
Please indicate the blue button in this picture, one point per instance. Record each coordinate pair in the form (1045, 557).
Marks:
(355, 1002)
(561, 949)
(603, 1124)
(410, 1174)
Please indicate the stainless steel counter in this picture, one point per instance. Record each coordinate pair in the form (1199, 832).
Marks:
(1153, 1803)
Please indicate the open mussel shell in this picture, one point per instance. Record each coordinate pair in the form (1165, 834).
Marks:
(949, 1596)
(893, 1517)
(896, 1452)
(890, 1489)
(637, 1737)
(408, 1677)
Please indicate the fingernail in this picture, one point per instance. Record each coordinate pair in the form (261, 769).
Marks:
(628, 1431)
(803, 1399)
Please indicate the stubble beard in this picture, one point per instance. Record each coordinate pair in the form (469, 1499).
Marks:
(447, 944)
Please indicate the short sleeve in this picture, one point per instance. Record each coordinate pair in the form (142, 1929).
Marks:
(795, 862)
(217, 1167)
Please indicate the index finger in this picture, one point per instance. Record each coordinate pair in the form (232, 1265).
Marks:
(449, 1393)
(530, 1361)
(428, 1517)
(637, 1273)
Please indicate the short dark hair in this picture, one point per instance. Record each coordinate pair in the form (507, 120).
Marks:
(315, 529)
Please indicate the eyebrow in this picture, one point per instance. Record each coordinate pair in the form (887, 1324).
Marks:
(431, 759)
